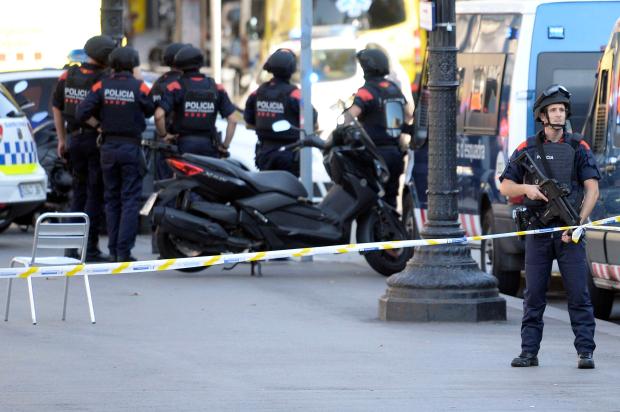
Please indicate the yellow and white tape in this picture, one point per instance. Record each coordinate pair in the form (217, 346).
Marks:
(170, 264)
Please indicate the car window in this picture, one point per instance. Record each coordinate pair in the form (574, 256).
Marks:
(7, 106)
(374, 14)
(483, 93)
(39, 92)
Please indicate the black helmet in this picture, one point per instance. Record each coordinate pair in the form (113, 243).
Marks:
(124, 59)
(188, 58)
(374, 62)
(282, 63)
(99, 48)
(553, 94)
(171, 50)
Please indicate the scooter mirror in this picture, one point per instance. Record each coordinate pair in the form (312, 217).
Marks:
(281, 126)
(20, 86)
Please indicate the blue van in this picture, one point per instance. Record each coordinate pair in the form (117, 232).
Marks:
(509, 51)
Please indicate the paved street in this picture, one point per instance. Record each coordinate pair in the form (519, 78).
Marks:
(304, 337)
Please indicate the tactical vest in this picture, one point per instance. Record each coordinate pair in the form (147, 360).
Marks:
(561, 161)
(77, 87)
(391, 114)
(121, 109)
(198, 112)
(271, 106)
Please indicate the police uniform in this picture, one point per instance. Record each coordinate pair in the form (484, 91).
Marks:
(121, 103)
(372, 99)
(275, 100)
(194, 101)
(541, 250)
(83, 154)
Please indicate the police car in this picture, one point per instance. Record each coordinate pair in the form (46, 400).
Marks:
(23, 181)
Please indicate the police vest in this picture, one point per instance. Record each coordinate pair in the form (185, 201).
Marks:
(197, 113)
(272, 105)
(121, 111)
(77, 87)
(561, 160)
(391, 113)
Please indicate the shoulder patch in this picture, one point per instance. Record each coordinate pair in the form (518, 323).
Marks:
(97, 86)
(296, 94)
(63, 76)
(220, 87)
(144, 88)
(384, 84)
(364, 94)
(522, 146)
(584, 144)
(86, 71)
(172, 86)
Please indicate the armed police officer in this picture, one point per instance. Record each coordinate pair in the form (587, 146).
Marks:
(275, 100)
(194, 101)
(384, 112)
(118, 105)
(567, 158)
(83, 154)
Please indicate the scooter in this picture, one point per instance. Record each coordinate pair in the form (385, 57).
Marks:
(212, 206)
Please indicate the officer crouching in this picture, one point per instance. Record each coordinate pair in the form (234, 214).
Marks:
(118, 106)
(566, 158)
(83, 154)
(276, 100)
(194, 101)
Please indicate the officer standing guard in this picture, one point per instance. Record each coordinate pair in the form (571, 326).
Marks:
(567, 158)
(194, 101)
(384, 113)
(275, 100)
(83, 154)
(118, 105)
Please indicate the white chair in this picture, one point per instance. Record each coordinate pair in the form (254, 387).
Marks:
(56, 231)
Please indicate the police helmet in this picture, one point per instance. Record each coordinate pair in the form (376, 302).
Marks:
(170, 51)
(553, 94)
(99, 48)
(374, 62)
(188, 58)
(124, 59)
(282, 63)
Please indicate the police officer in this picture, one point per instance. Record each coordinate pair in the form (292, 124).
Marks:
(118, 105)
(384, 113)
(73, 86)
(275, 100)
(163, 171)
(568, 160)
(194, 101)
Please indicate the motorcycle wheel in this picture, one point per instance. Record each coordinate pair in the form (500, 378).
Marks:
(169, 249)
(376, 227)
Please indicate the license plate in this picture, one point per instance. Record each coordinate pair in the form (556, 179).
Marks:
(148, 205)
(31, 190)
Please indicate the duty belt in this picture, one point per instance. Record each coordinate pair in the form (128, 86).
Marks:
(122, 139)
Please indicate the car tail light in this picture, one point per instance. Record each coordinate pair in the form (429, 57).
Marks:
(184, 167)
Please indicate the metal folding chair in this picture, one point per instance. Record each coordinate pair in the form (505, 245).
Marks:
(55, 231)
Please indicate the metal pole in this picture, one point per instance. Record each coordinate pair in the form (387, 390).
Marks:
(216, 40)
(112, 19)
(442, 283)
(306, 118)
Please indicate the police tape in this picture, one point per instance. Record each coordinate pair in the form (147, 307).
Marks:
(161, 265)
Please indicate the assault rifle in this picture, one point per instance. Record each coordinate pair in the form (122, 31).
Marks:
(558, 205)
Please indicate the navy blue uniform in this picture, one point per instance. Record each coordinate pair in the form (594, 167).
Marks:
(194, 101)
(273, 101)
(121, 103)
(371, 117)
(163, 171)
(541, 250)
(82, 152)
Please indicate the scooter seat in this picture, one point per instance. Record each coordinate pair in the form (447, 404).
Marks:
(276, 181)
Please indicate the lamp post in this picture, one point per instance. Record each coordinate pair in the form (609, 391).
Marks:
(442, 283)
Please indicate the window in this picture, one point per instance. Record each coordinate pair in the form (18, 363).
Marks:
(481, 97)
(377, 15)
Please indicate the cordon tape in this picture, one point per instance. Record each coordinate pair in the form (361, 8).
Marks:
(182, 263)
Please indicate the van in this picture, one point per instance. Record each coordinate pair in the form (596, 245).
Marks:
(508, 53)
(602, 129)
(23, 182)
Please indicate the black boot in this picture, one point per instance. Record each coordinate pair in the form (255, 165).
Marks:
(585, 361)
(127, 258)
(97, 256)
(524, 360)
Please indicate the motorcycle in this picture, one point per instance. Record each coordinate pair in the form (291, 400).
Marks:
(212, 206)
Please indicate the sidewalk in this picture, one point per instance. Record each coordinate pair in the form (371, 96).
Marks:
(304, 337)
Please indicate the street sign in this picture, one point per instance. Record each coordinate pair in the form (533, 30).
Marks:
(427, 15)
